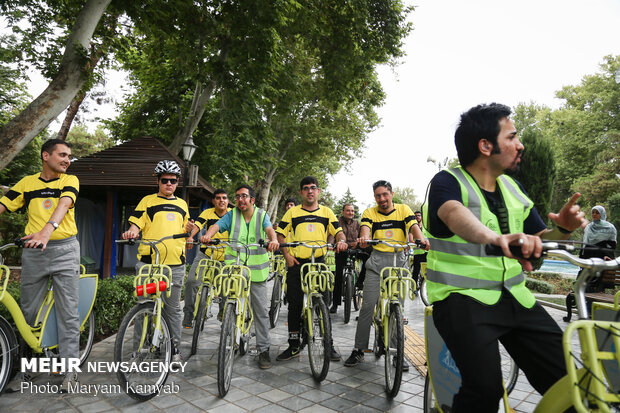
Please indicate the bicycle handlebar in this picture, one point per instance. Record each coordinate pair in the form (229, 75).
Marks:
(303, 244)
(403, 245)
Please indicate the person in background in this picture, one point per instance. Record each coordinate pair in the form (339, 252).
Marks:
(351, 229)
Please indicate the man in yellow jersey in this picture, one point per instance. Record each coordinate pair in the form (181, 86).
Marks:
(207, 218)
(248, 224)
(157, 216)
(49, 197)
(479, 299)
(393, 223)
(307, 222)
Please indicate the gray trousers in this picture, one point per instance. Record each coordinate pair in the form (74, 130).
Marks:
(192, 284)
(172, 304)
(61, 262)
(259, 304)
(377, 261)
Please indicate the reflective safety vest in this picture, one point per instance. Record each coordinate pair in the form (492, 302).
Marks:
(455, 265)
(258, 258)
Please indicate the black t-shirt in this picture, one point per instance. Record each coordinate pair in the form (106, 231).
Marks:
(445, 187)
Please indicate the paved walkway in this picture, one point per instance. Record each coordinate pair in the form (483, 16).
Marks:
(287, 386)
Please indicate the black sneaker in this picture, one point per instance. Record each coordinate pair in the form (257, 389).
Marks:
(334, 356)
(264, 361)
(288, 354)
(356, 357)
(187, 320)
(405, 364)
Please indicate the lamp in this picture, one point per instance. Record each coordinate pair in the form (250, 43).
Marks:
(188, 152)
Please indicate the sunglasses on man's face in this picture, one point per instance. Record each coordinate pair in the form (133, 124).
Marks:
(166, 180)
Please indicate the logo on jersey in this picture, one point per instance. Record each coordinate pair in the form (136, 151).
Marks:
(389, 233)
(310, 228)
(47, 204)
(170, 216)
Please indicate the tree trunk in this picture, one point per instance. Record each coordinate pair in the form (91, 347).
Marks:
(72, 110)
(266, 188)
(273, 203)
(202, 95)
(20, 130)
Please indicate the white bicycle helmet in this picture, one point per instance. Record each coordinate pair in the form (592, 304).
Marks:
(167, 167)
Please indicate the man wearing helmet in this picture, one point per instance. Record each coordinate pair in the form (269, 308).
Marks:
(156, 216)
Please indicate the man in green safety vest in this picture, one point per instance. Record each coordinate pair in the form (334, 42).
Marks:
(247, 224)
(479, 299)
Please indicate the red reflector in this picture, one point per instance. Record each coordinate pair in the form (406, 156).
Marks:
(150, 288)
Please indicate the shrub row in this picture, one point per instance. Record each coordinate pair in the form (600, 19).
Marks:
(539, 286)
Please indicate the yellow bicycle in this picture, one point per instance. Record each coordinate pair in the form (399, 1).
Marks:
(278, 292)
(42, 337)
(316, 278)
(395, 284)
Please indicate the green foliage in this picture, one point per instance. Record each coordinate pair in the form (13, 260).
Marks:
(539, 286)
(347, 198)
(586, 137)
(537, 168)
(613, 215)
(12, 226)
(114, 299)
(27, 162)
(13, 289)
(84, 143)
(405, 195)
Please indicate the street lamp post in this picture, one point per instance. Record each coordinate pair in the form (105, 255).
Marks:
(188, 152)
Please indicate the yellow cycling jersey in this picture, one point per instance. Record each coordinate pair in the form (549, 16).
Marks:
(207, 218)
(40, 198)
(391, 227)
(308, 226)
(158, 217)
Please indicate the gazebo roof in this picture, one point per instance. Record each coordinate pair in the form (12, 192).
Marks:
(129, 166)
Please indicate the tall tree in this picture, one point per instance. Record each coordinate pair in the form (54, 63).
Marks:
(20, 130)
(537, 168)
(406, 195)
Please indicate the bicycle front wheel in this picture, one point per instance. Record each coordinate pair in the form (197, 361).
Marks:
(8, 352)
(276, 301)
(226, 350)
(395, 351)
(423, 293)
(319, 342)
(349, 290)
(140, 343)
(201, 317)
(87, 337)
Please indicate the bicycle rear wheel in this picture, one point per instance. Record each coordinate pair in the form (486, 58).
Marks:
(139, 343)
(8, 352)
(319, 342)
(349, 290)
(201, 317)
(226, 350)
(276, 301)
(87, 337)
(395, 353)
(430, 404)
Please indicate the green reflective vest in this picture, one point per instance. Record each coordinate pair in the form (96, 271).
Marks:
(455, 265)
(258, 258)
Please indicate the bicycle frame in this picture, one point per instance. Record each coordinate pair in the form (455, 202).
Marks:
(209, 268)
(43, 335)
(316, 279)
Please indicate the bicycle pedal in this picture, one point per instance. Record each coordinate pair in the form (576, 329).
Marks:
(405, 321)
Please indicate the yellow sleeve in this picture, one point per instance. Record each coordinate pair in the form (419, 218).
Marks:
(334, 224)
(138, 217)
(366, 219)
(284, 226)
(14, 199)
(71, 187)
(408, 217)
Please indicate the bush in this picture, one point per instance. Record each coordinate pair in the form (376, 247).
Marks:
(12, 226)
(12, 288)
(539, 286)
(114, 299)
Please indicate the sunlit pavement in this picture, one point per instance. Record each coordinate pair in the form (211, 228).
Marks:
(286, 386)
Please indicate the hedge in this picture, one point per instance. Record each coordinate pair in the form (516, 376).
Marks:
(539, 286)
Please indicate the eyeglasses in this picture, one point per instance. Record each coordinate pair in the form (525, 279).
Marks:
(242, 196)
(382, 183)
(166, 180)
(310, 188)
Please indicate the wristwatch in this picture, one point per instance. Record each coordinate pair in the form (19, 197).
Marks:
(54, 224)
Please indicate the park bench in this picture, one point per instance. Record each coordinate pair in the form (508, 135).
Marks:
(610, 280)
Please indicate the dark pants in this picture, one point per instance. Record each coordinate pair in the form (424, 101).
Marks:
(341, 261)
(471, 331)
(417, 259)
(359, 284)
(295, 297)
